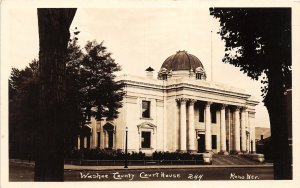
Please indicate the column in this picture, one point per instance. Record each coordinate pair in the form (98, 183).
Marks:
(114, 139)
(229, 130)
(183, 124)
(191, 127)
(95, 137)
(237, 144)
(253, 127)
(243, 130)
(78, 142)
(95, 134)
(207, 127)
(223, 130)
(247, 132)
(247, 143)
(105, 143)
(176, 126)
(252, 131)
(102, 137)
(91, 141)
(85, 142)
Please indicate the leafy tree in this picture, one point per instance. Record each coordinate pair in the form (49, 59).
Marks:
(90, 86)
(258, 41)
(101, 95)
(92, 90)
(23, 92)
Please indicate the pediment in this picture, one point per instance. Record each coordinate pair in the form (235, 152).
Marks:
(109, 126)
(146, 125)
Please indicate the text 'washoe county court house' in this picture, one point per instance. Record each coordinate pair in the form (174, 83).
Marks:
(178, 111)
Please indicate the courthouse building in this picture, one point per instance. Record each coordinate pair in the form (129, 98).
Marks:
(178, 111)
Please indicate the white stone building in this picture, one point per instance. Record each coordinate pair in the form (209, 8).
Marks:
(178, 111)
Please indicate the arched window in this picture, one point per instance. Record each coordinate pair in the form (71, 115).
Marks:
(110, 131)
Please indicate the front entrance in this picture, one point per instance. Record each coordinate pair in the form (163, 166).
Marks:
(201, 143)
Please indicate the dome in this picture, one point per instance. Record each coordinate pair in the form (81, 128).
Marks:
(182, 64)
(182, 61)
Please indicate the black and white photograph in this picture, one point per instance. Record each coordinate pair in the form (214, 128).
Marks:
(170, 93)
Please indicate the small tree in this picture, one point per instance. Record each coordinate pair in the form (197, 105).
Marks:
(258, 40)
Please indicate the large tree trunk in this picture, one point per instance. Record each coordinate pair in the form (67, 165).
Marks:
(54, 34)
(276, 106)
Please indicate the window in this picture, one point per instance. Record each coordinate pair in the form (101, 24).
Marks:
(198, 76)
(146, 139)
(201, 114)
(164, 77)
(213, 115)
(146, 109)
(214, 141)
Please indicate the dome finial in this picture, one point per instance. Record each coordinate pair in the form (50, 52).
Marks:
(181, 51)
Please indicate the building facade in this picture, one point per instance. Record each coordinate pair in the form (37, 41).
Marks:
(178, 111)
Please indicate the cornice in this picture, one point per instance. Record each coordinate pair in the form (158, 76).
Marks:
(189, 87)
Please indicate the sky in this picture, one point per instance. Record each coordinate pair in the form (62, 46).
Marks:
(139, 38)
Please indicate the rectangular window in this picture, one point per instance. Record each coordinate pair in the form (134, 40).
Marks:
(201, 114)
(146, 109)
(214, 141)
(213, 115)
(146, 139)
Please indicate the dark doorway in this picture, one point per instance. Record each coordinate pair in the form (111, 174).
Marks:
(201, 143)
(110, 139)
(213, 141)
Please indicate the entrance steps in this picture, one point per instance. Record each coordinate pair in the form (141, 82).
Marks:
(232, 160)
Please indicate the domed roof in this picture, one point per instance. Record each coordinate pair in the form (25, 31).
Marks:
(182, 61)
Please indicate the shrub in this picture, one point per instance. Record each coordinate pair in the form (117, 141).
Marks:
(101, 154)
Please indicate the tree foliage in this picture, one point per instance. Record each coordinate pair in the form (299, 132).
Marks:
(256, 38)
(23, 103)
(91, 91)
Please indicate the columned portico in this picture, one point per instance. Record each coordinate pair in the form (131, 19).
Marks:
(178, 112)
(223, 130)
(183, 124)
(237, 144)
(191, 127)
(208, 127)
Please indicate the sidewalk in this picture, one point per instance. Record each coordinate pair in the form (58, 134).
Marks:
(110, 168)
